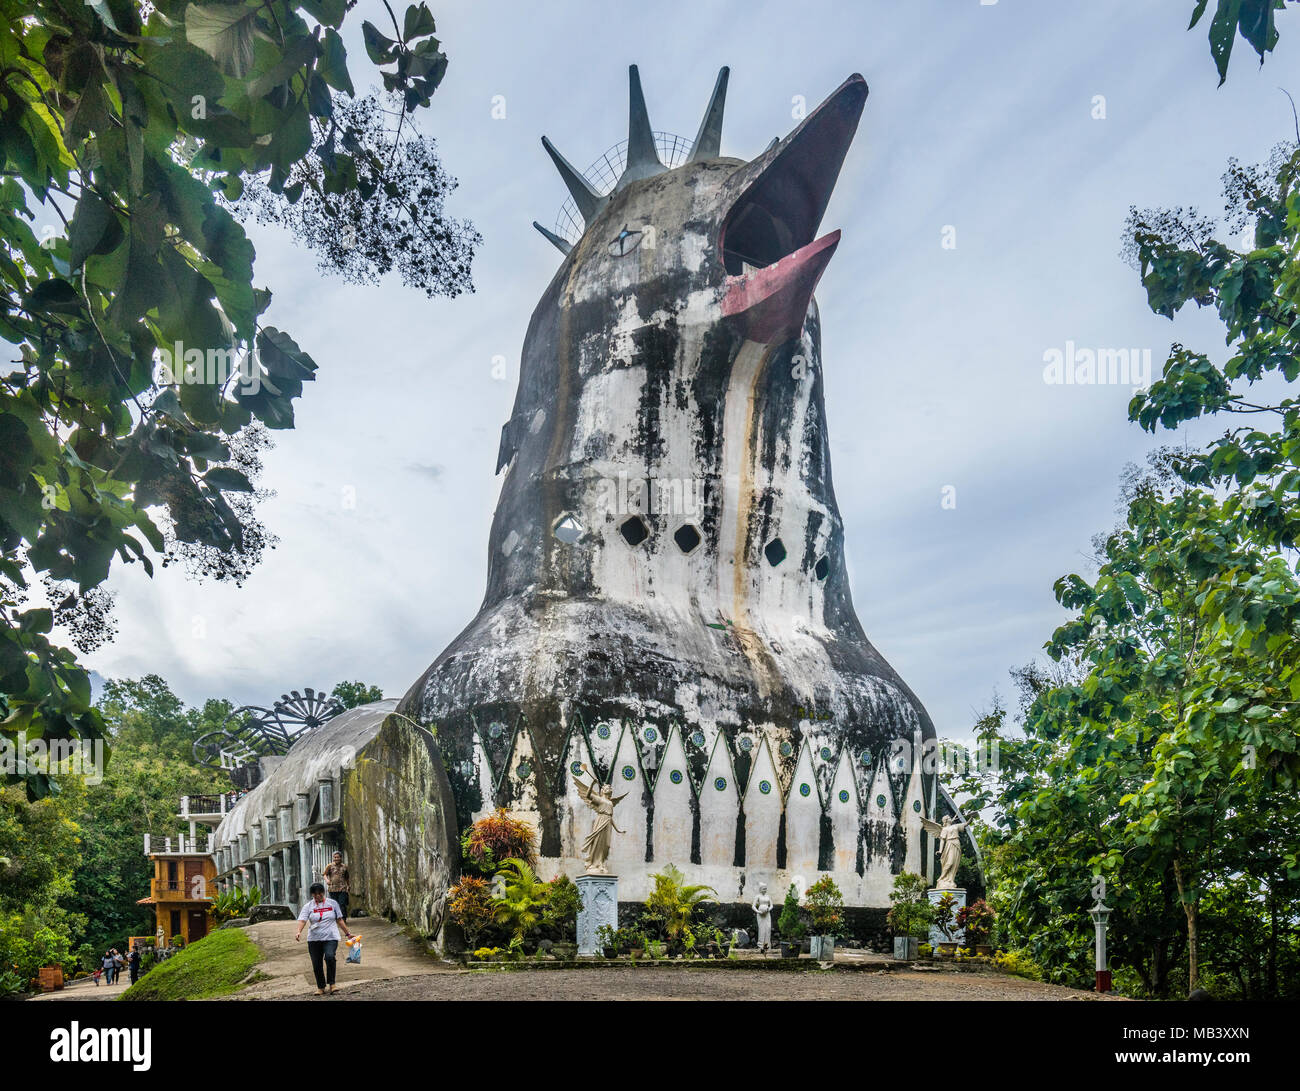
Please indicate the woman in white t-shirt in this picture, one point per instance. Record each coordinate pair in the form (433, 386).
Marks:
(323, 919)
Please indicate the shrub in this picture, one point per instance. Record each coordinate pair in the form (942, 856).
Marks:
(673, 900)
(825, 905)
(977, 918)
(471, 906)
(944, 915)
(1018, 963)
(561, 913)
(911, 913)
(519, 899)
(790, 925)
(494, 839)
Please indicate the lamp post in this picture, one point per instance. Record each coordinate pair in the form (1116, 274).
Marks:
(1099, 913)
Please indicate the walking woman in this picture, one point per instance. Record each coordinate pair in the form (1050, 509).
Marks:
(323, 918)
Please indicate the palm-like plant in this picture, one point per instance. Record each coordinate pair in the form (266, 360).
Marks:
(520, 897)
(673, 899)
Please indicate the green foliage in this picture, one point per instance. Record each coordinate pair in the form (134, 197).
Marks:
(673, 900)
(128, 129)
(789, 924)
(977, 921)
(911, 912)
(825, 906)
(944, 915)
(520, 898)
(1254, 19)
(353, 694)
(230, 904)
(562, 904)
(215, 965)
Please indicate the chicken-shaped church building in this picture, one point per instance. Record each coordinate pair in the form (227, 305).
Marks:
(667, 600)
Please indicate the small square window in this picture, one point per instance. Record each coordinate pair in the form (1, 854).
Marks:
(774, 551)
(687, 538)
(634, 530)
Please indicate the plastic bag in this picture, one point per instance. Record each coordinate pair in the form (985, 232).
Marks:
(354, 952)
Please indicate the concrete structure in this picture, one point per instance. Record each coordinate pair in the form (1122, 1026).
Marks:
(368, 782)
(181, 887)
(667, 600)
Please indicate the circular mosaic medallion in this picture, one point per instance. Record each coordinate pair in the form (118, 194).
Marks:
(603, 731)
(880, 801)
(720, 784)
(916, 806)
(496, 729)
(628, 772)
(523, 769)
(698, 738)
(826, 753)
(786, 749)
(675, 776)
(747, 745)
(765, 786)
(575, 767)
(650, 734)
(804, 790)
(865, 757)
(844, 795)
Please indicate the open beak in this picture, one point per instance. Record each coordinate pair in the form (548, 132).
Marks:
(768, 240)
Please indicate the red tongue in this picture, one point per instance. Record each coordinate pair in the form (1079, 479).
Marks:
(769, 304)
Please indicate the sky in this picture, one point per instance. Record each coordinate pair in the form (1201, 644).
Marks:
(967, 484)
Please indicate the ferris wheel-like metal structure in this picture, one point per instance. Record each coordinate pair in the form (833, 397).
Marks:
(251, 732)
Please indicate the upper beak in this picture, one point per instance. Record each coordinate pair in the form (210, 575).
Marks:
(768, 239)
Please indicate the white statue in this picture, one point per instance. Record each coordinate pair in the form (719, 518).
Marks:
(949, 835)
(595, 849)
(763, 910)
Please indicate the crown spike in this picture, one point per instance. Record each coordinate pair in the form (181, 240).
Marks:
(560, 244)
(708, 141)
(589, 202)
(642, 160)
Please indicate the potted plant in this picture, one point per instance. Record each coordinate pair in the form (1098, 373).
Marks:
(945, 920)
(977, 919)
(789, 924)
(673, 901)
(826, 908)
(633, 942)
(909, 918)
(607, 938)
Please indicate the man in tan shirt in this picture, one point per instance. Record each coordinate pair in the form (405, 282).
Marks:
(336, 879)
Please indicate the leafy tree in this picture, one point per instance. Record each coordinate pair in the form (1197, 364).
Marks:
(352, 694)
(143, 369)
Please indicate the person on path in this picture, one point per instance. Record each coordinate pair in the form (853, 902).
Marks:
(323, 918)
(108, 966)
(336, 876)
(133, 964)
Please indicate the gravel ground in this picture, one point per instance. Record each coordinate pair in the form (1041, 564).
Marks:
(653, 983)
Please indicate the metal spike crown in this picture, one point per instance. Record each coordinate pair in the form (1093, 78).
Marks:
(642, 160)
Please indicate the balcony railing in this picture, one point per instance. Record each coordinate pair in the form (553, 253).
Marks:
(215, 804)
(180, 845)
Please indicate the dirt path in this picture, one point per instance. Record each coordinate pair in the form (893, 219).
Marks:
(86, 989)
(386, 953)
(681, 983)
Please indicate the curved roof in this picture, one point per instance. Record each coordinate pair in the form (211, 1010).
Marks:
(319, 754)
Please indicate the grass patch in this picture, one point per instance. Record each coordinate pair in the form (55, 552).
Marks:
(212, 966)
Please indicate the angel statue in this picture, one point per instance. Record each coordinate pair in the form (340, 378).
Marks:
(595, 849)
(949, 835)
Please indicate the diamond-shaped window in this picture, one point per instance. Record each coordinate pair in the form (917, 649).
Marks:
(823, 568)
(634, 530)
(687, 538)
(568, 529)
(774, 551)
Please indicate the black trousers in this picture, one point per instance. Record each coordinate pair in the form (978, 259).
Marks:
(342, 898)
(322, 951)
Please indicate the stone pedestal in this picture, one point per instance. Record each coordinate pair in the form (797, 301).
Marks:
(958, 934)
(598, 896)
